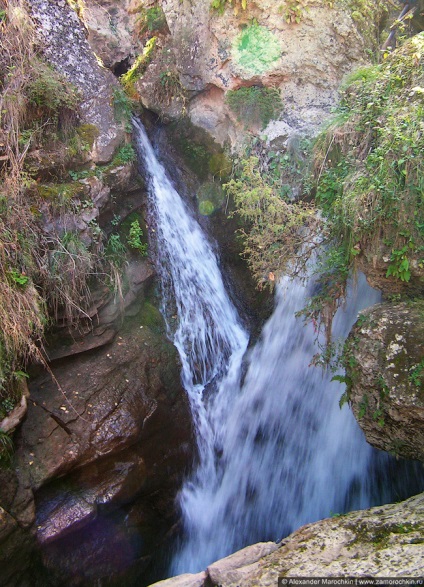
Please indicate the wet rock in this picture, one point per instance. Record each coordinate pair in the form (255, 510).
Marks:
(385, 367)
(384, 541)
(16, 548)
(100, 403)
(105, 443)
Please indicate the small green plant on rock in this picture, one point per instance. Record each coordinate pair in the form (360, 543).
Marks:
(6, 449)
(134, 238)
(152, 20)
(122, 107)
(293, 11)
(221, 5)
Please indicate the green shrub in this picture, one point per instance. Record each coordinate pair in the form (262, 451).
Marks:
(370, 173)
(134, 238)
(254, 106)
(50, 91)
(275, 229)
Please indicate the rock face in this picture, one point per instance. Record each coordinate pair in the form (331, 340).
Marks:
(66, 48)
(385, 366)
(104, 445)
(384, 541)
(200, 55)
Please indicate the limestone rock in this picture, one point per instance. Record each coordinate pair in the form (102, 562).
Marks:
(225, 570)
(110, 27)
(204, 54)
(66, 48)
(186, 580)
(386, 369)
(384, 541)
(306, 62)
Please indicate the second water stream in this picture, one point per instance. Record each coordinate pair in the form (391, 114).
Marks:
(275, 449)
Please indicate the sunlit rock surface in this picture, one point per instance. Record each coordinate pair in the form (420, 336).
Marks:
(385, 541)
(385, 366)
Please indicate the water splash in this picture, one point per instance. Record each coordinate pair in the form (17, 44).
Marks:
(276, 452)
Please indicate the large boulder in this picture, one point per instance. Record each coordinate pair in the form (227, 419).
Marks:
(385, 369)
(66, 48)
(384, 541)
(99, 458)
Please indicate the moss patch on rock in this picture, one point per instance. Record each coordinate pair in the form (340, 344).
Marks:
(256, 49)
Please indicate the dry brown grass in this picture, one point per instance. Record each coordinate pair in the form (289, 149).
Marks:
(40, 273)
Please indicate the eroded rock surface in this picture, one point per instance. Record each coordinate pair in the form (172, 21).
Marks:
(385, 541)
(386, 370)
(200, 55)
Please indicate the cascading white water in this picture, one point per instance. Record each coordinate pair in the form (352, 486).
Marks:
(207, 331)
(277, 451)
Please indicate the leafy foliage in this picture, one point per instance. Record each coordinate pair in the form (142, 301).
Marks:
(278, 232)
(254, 106)
(152, 20)
(134, 238)
(369, 170)
(221, 5)
(293, 10)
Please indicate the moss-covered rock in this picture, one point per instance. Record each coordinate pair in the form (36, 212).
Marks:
(384, 359)
(384, 541)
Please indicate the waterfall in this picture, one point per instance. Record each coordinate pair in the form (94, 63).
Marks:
(276, 451)
(201, 319)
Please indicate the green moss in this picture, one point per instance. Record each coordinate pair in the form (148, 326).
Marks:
(210, 197)
(138, 68)
(220, 165)
(256, 50)
(254, 106)
(88, 133)
(151, 317)
(50, 90)
(61, 193)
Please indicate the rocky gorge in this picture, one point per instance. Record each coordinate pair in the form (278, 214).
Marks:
(107, 436)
